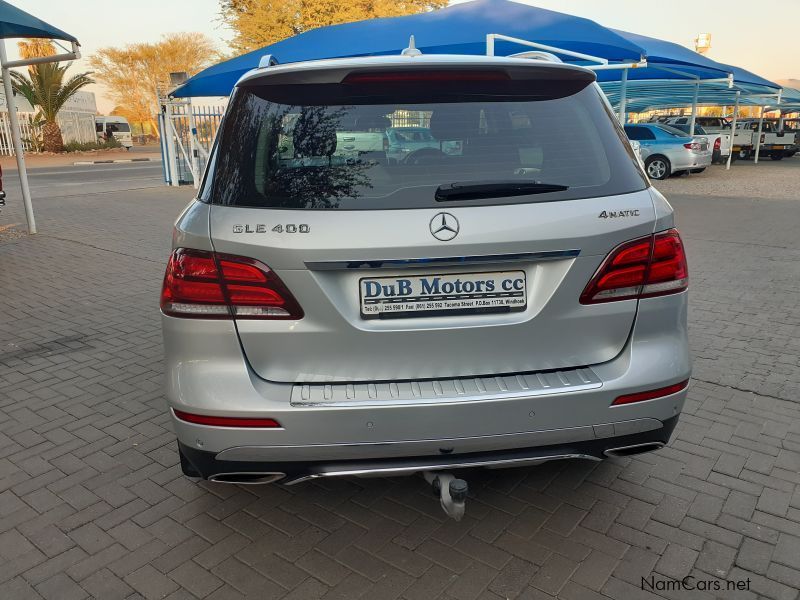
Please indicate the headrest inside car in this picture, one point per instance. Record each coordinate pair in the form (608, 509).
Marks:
(372, 122)
(451, 123)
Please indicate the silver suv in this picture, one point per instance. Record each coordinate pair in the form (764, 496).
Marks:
(514, 293)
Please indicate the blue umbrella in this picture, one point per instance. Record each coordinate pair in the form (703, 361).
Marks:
(459, 29)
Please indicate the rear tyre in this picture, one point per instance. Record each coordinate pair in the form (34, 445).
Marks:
(698, 170)
(658, 167)
(776, 156)
(744, 153)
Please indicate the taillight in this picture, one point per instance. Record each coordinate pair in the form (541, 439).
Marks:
(693, 146)
(650, 266)
(207, 285)
(651, 394)
(717, 144)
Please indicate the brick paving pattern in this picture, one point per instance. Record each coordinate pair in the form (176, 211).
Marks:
(93, 505)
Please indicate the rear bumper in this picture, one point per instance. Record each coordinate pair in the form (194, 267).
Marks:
(691, 160)
(575, 419)
(209, 465)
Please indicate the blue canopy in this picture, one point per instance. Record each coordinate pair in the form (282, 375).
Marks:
(670, 67)
(458, 29)
(16, 23)
(681, 62)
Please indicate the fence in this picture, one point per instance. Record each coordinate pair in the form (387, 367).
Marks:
(187, 133)
(6, 145)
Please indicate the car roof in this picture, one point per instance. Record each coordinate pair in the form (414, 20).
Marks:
(400, 61)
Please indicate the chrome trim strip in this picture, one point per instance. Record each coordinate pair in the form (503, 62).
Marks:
(389, 471)
(264, 477)
(416, 263)
(653, 445)
(447, 390)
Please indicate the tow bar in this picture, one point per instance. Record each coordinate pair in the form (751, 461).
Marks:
(452, 492)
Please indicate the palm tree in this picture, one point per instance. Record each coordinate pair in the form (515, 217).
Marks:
(46, 89)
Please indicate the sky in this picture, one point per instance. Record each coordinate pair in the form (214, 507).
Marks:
(764, 41)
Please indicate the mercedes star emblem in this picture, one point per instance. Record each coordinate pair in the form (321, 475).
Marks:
(444, 227)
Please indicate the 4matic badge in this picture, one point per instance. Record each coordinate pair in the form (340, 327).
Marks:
(616, 214)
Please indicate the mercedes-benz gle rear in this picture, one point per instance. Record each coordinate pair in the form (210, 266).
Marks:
(512, 292)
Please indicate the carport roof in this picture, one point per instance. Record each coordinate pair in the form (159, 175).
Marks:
(457, 29)
(16, 23)
(670, 67)
(651, 94)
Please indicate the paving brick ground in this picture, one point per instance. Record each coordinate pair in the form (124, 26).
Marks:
(92, 503)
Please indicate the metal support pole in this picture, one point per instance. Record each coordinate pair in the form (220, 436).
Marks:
(623, 97)
(694, 108)
(172, 151)
(194, 148)
(758, 138)
(733, 128)
(16, 138)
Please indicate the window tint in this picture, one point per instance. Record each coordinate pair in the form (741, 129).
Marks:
(669, 130)
(344, 155)
(639, 133)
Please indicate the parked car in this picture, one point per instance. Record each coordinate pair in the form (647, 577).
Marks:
(362, 134)
(518, 301)
(791, 131)
(116, 127)
(720, 143)
(668, 151)
(742, 139)
(775, 144)
(404, 140)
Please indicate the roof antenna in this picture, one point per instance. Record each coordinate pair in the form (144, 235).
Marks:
(412, 49)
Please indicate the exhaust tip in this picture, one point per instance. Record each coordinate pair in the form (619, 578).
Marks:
(634, 449)
(247, 478)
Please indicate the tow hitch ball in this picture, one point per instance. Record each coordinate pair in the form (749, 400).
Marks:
(452, 492)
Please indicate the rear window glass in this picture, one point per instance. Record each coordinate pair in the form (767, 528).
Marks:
(117, 127)
(370, 153)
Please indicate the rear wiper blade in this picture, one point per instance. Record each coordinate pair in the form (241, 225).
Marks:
(475, 190)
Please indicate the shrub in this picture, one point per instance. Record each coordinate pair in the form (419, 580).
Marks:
(83, 147)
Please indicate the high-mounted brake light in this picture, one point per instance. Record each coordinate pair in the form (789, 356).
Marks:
(651, 394)
(226, 421)
(207, 285)
(426, 76)
(650, 266)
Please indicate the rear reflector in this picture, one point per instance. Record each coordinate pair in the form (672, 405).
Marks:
(416, 76)
(650, 266)
(207, 285)
(651, 394)
(226, 421)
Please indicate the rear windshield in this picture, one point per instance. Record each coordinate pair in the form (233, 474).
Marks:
(278, 151)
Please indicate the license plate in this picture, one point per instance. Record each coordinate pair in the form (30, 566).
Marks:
(432, 295)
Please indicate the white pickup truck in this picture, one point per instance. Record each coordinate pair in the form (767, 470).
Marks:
(775, 144)
(718, 138)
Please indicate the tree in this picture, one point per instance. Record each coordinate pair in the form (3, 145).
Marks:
(258, 23)
(45, 88)
(135, 74)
